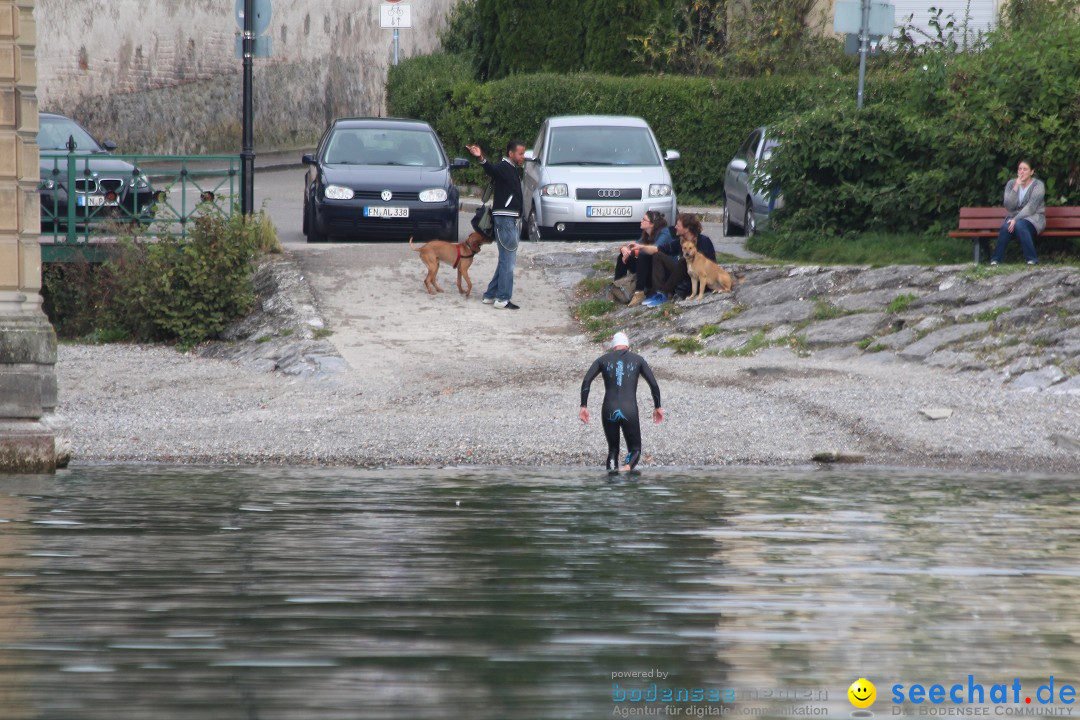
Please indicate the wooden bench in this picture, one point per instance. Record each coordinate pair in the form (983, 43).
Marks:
(981, 223)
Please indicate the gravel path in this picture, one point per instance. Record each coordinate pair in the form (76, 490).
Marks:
(444, 380)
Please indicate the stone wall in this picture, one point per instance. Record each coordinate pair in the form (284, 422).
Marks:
(163, 76)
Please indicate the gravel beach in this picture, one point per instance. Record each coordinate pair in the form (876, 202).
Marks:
(350, 362)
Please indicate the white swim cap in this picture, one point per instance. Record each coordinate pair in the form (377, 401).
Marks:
(620, 339)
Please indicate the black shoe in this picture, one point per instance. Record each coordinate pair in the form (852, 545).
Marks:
(511, 306)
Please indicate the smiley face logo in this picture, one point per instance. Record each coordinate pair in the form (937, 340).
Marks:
(862, 693)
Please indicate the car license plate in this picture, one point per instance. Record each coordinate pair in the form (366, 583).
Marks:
(386, 212)
(92, 201)
(607, 211)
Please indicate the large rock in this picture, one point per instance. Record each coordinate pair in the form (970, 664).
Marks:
(874, 299)
(1038, 379)
(845, 330)
(794, 311)
(938, 339)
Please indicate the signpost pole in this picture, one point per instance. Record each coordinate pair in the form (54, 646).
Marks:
(864, 50)
(247, 149)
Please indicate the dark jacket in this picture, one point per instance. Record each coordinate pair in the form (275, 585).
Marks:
(704, 246)
(667, 243)
(506, 185)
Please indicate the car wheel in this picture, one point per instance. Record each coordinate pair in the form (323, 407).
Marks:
(749, 222)
(729, 227)
(312, 227)
(534, 229)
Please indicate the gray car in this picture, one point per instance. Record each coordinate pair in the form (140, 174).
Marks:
(595, 176)
(747, 198)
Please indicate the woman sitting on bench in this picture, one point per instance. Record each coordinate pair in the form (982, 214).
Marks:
(1025, 202)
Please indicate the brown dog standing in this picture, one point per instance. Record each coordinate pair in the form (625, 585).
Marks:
(704, 272)
(459, 255)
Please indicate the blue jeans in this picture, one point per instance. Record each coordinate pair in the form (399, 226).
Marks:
(1024, 231)
(501, 286)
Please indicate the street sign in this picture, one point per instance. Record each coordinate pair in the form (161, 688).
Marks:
(395, 16)
(261, 20)
(848, 17)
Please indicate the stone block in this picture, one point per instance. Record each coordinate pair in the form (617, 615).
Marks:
(8, 18)
(9, 116)
(9, 155)
(9, 208)
(26, 341)
(29, 211)
(9, 262)
(9, 61)
(26, 446)
(20, 392)
(27, 69)
(27, 108)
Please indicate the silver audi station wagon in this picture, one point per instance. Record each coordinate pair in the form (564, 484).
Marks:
(595, 176)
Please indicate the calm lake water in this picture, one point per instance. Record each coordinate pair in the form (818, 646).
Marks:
(165, 592)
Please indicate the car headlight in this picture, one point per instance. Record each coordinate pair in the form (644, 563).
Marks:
(659, 190)
(433, 195)
(554, 190)
(336, 192)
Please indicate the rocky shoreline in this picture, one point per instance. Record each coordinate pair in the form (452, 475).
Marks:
(348, 362)
(1018, 326)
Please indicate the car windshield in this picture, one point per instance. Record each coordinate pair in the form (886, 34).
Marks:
(377, 146)
(602, 146)
(53, 134)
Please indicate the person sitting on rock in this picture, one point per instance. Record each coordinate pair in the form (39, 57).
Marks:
(637, 257)
(670, 277)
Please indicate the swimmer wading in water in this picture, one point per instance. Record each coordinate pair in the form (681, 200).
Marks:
(621, 369)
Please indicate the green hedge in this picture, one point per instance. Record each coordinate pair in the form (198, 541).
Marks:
(705, 119)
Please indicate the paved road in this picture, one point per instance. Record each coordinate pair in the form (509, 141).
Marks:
(281, 192)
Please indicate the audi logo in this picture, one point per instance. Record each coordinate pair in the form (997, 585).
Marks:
(386, 195)
(608, 193)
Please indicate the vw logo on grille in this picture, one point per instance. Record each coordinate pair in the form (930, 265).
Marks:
(608, 193)
(386, 195)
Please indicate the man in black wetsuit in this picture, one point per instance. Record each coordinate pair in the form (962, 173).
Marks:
(621, 369)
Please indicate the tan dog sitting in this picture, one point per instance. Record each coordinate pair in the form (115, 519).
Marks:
(459, 255)
(704, 272)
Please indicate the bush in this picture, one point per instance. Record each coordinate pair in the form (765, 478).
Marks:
(182, 290)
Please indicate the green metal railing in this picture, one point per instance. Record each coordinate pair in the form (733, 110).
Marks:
(89, 201)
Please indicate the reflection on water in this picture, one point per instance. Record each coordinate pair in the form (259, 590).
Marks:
(150, 592)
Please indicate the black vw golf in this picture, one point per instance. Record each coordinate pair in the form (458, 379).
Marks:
(380, 179)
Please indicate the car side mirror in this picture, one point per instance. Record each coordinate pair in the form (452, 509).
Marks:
(738, 165)
(109, 145)
(671, 155)
(308, 159)
(530, 156)
(459, 163)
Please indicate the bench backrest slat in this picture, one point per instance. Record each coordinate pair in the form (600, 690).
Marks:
(989, 218)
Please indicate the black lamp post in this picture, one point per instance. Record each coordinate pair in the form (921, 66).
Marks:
(247, 150)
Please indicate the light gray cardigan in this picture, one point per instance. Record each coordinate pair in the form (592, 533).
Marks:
(1033, 209)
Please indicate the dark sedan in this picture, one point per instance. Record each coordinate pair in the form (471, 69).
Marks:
(380, 179)
(104, 186)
